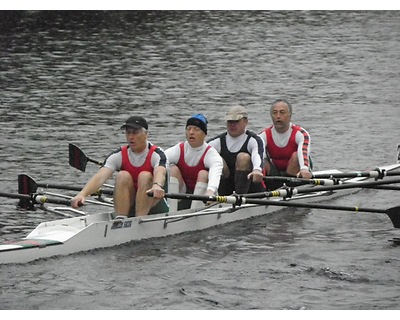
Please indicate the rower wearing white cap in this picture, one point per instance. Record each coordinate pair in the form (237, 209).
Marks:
(242, 151)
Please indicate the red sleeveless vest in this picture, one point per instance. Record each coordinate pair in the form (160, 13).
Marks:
(189, 173)
(134, 171)
(280, 156)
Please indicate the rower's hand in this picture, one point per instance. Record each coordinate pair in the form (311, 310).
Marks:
(255, 175)
(77, 201)
(305, 174)
(157, 191)
(209, 193)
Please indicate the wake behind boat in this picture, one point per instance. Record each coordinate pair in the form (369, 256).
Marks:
(101, 230)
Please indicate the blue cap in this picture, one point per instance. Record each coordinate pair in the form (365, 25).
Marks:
(198, 120)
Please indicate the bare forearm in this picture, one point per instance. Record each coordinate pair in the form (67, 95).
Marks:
(95, 183)
(159, 175)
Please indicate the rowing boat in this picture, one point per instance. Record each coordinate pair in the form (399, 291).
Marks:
(100, 230)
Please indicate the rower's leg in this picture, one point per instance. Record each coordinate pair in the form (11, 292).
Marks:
(242, 184)
(124, 193)
(173, 187)
(243, 168)
(199, 189)
(143, 202)
(293, 165)
(176, 185)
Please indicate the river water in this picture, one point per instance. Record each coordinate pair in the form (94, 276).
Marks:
(76, 76)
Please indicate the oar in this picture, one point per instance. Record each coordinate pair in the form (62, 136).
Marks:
(289, 192)
(393, 213)
(35, 198)
(78, 159)
(395, 188)
(292, 181)
(377, 174)
(26, 185)
(86, 201)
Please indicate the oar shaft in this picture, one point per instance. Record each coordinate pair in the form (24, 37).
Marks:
(239, 200)
(394, 188)
(377, 174)
(285, 193)
(300, 181)
(58, 186)
(220, 199)
(35, 198)
(393, 213)
(310, 205)
(289, 192)
(27, 185)
(364, 184)
(87, 201)
(72, 188)
(95, 161)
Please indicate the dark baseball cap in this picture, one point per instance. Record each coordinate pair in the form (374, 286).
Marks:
(136, 122)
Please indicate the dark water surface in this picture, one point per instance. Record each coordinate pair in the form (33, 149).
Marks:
(75, 77)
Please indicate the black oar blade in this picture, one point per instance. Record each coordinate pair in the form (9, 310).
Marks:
(394, 215)
(77, 158)
(26, 185)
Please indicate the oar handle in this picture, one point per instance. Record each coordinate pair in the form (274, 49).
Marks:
(182, 196)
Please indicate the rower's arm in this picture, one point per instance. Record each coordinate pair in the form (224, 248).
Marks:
(92, 186)
(159, 175)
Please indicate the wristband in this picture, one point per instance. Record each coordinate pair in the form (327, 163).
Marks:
(159, 184)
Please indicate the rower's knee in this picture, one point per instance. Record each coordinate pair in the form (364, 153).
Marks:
(243, 161)
(202, 176)
(145, 179)
(293, 165)
(123, 178)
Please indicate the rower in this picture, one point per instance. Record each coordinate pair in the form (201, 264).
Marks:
(287, 146)
(141, 168)
(242, 151)
(194, 166)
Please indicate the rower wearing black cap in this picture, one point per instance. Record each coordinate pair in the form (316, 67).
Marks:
(141, 168)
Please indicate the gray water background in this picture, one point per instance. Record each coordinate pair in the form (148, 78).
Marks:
(76, 76)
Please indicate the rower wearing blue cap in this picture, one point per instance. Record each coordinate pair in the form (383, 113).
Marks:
(194, 166)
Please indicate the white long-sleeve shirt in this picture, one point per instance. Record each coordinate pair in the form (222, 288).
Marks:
(212, 161)
(281, 140)
(234, 144)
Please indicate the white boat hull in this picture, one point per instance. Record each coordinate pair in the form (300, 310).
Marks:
(84, 233)
(67, 236)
